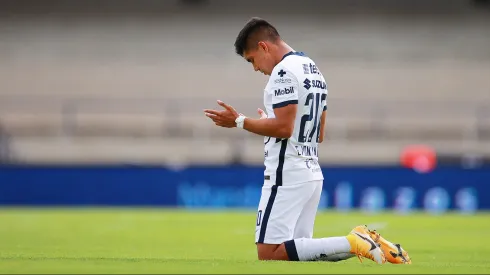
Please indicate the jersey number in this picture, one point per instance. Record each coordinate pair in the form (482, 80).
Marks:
(314, 101)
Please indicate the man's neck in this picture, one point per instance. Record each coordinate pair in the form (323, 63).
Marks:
(282, 50)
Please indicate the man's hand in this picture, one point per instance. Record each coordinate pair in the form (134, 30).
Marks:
(262, 114)
(225, 118)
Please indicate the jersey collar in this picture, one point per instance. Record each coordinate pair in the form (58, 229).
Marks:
(293, 53)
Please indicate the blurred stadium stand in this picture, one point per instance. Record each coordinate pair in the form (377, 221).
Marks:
(126, 81)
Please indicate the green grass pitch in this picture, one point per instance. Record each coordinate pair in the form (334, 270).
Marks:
(88, 240)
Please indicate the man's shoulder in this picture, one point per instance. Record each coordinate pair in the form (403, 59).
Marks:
(282, 75)
(296, 66)
(285, 70)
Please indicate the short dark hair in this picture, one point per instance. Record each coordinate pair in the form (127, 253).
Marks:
(255, 30)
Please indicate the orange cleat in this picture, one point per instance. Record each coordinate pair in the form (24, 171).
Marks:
(394, 253)
(363, 245)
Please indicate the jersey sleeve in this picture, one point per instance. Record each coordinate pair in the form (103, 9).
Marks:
(283, 86)
(324, 102)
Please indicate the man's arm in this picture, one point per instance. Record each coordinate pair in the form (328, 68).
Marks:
(283, 88)
(279, 127)
(322, 126)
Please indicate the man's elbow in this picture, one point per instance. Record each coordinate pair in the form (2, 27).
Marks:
(286, 132)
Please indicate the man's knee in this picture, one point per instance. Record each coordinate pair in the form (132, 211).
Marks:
(272, 252)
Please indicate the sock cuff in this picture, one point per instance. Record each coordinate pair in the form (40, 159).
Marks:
(291, 250)
(352, 240)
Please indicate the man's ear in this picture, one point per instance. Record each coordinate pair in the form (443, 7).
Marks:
(263, 46)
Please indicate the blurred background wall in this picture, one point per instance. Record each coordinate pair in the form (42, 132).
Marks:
(115, 82)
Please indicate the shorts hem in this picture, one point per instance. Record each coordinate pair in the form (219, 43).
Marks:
(271, 241)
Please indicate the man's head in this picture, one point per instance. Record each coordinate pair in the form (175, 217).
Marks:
(258, 43)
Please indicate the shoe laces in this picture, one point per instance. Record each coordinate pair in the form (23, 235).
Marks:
(376, 235)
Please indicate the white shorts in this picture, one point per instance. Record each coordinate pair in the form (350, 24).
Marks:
(287, 212)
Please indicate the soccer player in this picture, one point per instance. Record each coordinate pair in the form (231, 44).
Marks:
(293, 124)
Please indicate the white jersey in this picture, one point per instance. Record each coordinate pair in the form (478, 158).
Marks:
(295, 80)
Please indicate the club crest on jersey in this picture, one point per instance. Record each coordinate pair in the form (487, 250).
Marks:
(281, 73)
(284, 91)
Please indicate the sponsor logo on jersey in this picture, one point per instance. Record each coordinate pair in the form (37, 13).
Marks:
(315, 84)
(306, 69)
(313, 165)
(310, 69)
(282, 81)
(284, 91)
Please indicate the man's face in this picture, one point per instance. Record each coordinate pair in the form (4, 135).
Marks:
(261, 58)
